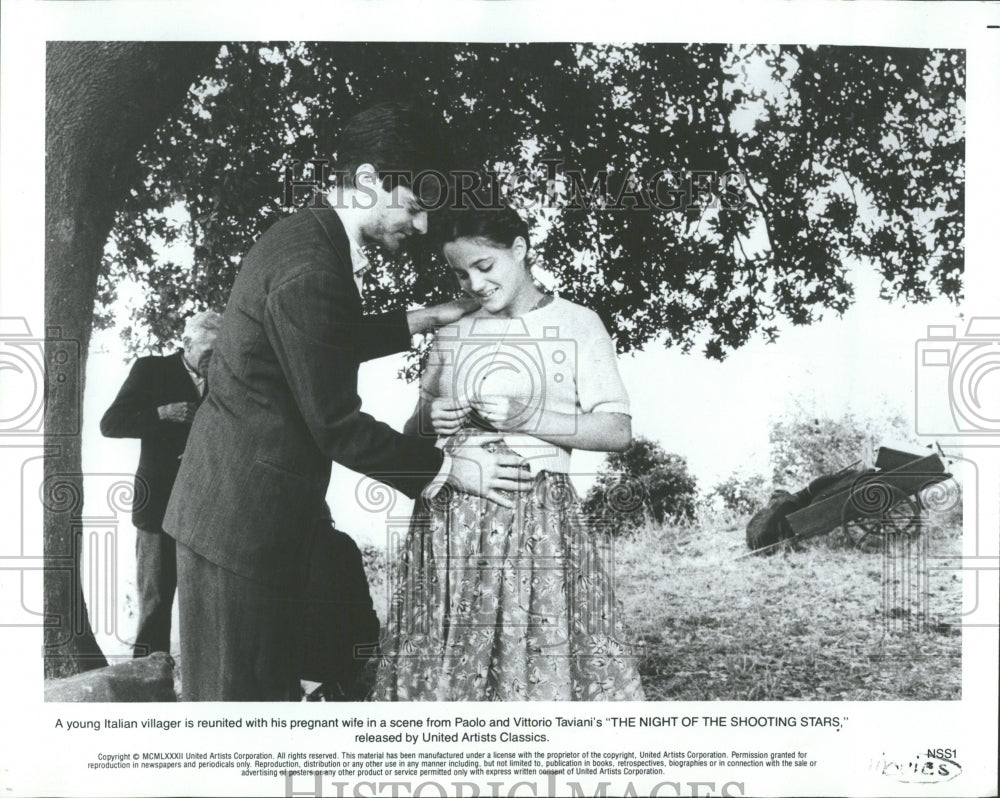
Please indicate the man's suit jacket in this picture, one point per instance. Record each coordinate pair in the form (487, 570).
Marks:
(284, 403)
(153, 381)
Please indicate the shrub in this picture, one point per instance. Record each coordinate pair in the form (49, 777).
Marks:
(804, 446)
(640, 485)
(739, 494)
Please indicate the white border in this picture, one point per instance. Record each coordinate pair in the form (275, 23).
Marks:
(39, 760)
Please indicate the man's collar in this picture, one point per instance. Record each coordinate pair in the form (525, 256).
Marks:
(196, 378)
(359, 260)
(187, 365)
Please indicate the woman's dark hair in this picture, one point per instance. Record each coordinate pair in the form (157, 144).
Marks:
(500, 226)
(393, 137)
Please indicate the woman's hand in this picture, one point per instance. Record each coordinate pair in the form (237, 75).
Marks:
(448, 414)
(504, 413)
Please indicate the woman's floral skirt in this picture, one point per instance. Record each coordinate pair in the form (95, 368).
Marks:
(491, 603)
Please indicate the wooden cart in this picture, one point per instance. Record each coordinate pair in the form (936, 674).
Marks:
(867, 504)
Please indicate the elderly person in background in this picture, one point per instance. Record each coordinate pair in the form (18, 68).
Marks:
(157, 404)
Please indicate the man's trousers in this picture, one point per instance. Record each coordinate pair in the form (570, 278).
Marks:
(156, 581)
(238, 636)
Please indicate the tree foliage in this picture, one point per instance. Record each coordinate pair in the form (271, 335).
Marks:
(639, 485)
(850, 154)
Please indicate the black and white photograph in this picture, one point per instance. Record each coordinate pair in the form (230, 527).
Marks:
(522, 364)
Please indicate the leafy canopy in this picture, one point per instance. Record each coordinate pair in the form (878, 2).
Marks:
(849, 155)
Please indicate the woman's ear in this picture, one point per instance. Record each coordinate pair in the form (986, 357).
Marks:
(520, 248)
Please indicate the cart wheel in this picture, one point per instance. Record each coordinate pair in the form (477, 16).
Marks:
(902, 518)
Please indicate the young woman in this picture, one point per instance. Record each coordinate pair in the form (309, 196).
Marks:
(510, 603)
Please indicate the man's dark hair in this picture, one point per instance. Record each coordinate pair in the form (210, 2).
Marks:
(393, 137)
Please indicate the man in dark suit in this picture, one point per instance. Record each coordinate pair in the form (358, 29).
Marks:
(284, 404)
(157, 404)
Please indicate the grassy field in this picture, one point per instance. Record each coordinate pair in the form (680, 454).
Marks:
(819, 622)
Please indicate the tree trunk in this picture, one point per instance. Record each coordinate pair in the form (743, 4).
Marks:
(103, 101)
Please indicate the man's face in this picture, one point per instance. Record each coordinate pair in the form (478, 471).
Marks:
(395, 217)
(198, 351)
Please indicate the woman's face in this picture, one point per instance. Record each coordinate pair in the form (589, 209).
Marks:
(492, 273)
